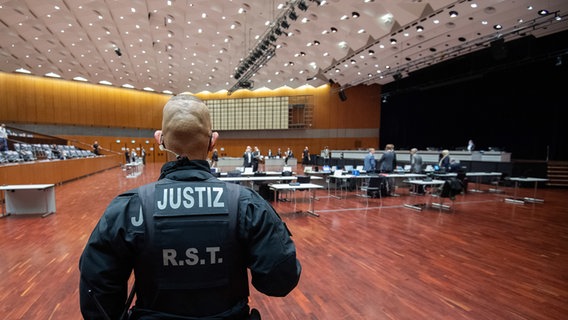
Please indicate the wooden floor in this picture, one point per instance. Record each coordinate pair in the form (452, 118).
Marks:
(489, 259)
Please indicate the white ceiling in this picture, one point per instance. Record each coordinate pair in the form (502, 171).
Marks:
(190, 45)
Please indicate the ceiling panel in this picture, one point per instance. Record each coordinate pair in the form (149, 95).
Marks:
(195, 45)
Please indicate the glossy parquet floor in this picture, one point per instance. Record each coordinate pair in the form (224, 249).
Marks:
(487, 259)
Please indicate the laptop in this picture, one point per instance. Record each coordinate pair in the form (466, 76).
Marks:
(348, 168)
(248, 170)
(326, 169)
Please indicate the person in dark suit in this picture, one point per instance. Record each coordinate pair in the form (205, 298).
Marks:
(96, 150)
(415, 161)
(387, 162)
(247, 157)
(256, 158)
(306, 158)
(214, 158)
(416, 167)
(127, 155)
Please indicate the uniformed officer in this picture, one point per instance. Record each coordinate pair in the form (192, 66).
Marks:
(188, 237)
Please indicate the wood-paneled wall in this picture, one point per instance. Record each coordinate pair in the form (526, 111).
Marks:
(30, 99)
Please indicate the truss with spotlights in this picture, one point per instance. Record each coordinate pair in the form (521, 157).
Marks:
(265, 48)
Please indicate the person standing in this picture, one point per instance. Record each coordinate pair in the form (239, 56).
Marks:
(143, 155)
(416, 167)
(247, 157)
(256, 158)
(191, 239)
(387, 162)
(3, 138)
(96, 150)
(470, 145)
(306, 158)
(326, 156)
(127, 155)
(214, 158)
(289, 154)
(415, 161)
(444, 162)
(369, 162)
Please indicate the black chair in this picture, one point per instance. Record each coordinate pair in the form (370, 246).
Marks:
(374, 188)
(449, 190)
(300, 180)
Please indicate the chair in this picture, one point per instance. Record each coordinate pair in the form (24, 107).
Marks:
(303, 179)
(449, 190)
(373, 188)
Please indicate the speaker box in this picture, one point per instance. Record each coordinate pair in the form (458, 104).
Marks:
(342, 95)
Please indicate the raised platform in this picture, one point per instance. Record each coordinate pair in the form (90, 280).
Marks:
(55, 171)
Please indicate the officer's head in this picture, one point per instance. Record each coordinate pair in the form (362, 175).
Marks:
(186, 128)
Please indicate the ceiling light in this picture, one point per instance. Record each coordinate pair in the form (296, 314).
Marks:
(334, 30)
(419, 28)
(371, 52)
(543, 12)
(393, 41)
(453, 14)
(355, 14)
(22, 70)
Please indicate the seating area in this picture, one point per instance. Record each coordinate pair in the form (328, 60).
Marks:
(24, 152)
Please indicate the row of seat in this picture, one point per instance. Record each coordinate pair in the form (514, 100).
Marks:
(31, 152)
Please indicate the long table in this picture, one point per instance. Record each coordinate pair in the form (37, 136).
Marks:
(477, 175)
(533, 199)
(310, 187)
(29, 199)
(435, 184)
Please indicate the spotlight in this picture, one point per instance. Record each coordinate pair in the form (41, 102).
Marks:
(302, 5)
(453, 14)
(285, 24)
(118, 52)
